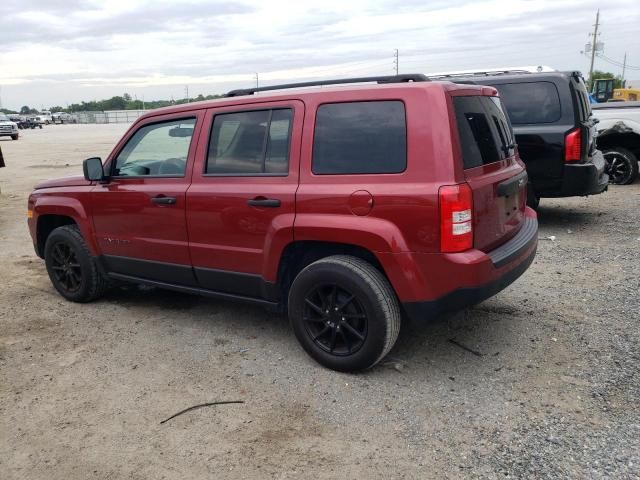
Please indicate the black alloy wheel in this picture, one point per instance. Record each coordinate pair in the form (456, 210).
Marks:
(73, 270)
(621, 166)
(66, 268)
(344, 312)
(335, 320)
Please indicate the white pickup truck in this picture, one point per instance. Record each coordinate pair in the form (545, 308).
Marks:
(619, 139)
(44, 117)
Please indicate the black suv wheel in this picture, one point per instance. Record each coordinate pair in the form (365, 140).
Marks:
(622, 165)
(71, 267)
(344, 313)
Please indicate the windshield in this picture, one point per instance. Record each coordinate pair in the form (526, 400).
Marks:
(3, 118)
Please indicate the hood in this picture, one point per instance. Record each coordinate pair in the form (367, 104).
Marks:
(8, 122)
(75, 181)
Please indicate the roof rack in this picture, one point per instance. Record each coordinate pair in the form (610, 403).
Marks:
(407, 77)
(500, 71)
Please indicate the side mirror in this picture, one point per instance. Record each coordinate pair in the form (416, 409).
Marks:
(181, 132)
(92, 168)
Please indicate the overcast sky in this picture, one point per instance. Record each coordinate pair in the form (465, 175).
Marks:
(56, 52)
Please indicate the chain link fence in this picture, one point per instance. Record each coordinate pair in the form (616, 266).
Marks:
(109, 116)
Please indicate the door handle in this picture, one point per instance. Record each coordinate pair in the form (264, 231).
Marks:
(264, 202)
(164, 200)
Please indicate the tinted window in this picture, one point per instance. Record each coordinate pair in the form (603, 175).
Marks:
(531, 102)
(583, 99)
(250, 143)
(485, 134)
(501, 123)
(158, 149)
(360, 137)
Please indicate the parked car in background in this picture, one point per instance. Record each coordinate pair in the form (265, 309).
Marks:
(63, 117)
(20, 120)
(619, 139)
(32, 123)
(554, 128)
(345, 207)
(44, 117)
(8, 128)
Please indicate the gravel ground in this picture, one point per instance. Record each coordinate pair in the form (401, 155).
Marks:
(550, 388)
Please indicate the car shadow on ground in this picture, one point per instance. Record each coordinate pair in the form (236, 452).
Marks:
(566, 217)
(446, 341)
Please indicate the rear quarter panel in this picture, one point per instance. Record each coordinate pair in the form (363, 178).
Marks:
(404, 215)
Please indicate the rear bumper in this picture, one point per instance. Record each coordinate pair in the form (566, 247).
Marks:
(487, 273)
(585, 178)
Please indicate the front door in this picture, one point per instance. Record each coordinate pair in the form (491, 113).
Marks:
(241, 203)
(139, 215)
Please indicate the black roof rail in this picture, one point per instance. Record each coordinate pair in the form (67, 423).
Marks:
(406, 77)
(478, 74)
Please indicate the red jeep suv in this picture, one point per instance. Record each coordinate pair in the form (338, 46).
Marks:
(348, 207)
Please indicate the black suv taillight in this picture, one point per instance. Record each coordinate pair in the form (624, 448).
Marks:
(573, 146)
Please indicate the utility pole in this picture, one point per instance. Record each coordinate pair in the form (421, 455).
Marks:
(257, 81)
(186, 91)
(593, 46)
(396, 61)
(624, 67)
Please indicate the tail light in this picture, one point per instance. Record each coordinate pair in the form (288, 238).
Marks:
(456, 218)
(573, 146)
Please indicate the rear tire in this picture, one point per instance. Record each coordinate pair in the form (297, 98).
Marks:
(73, 271)
(344, 313)
(622, 165)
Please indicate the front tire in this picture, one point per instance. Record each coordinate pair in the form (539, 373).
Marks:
(72, 269)
(622, 165)
(344, 313)
(14, 137)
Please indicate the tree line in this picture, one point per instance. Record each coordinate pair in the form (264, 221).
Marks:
(124, 102)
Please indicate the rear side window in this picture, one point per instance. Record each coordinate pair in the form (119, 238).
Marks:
(582, 97)
(531, 102)
(360, 138)
(484, 131)
(250, 143)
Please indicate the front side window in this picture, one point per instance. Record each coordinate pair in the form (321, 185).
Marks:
(160, 149)
(250, 143)
(531, 102)
(360, 138)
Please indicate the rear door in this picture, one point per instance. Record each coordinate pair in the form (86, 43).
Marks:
(241, 202)
(491, 168)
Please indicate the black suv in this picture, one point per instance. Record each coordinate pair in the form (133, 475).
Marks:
(554, 128)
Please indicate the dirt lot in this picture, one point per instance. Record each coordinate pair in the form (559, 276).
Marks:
(552, 390)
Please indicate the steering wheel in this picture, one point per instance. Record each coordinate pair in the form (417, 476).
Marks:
(172, 166)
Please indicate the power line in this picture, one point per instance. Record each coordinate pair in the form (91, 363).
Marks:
(618, 63)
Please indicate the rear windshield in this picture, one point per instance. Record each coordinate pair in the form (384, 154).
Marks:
(484, 131)
(531, 102)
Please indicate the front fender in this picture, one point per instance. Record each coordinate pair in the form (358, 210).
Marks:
(66, 206)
